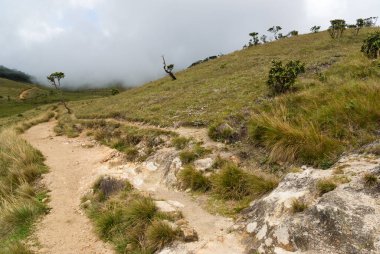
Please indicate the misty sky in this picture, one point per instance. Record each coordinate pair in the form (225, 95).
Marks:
(98, 41)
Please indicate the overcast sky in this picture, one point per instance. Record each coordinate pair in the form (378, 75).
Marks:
(98, 41)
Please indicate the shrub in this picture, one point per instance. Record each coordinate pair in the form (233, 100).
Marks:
(180, 142)
(325, 186)
(233, 183)
(282, 78)
(371, 46)
(298, 206)
(370, 179)
(315, 29)
(193, 179)
(337, 28)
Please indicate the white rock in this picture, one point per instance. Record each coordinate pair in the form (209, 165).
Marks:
(251, 227)
(151, 166)
(203, 164)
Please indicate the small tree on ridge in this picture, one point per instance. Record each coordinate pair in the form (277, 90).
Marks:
(55, 80)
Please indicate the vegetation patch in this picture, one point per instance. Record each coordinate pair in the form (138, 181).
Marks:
(127, 219)
(180, 143)
(234, 183)
(370, 179)
(190, 155)
(20, 196)
(223, 133)
(325, 185)
(298, 206)
(192, 179)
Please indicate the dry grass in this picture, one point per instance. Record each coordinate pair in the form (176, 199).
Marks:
(20, 197)
(127, 219)
(334, 107)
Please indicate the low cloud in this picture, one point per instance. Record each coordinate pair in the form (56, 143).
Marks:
(97, 41)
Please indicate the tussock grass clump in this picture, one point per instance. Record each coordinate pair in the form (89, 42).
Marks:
(223, 132)
(298, 206)
(234, 183)
(160, 234)
(316, 126)
(127, 219)
(370, 179)
(190, 155)
(325, 185)
(20, 198)
(193, 179)
(180, 142)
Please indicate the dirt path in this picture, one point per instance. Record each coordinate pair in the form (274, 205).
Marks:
(65, 229)
(73, 168)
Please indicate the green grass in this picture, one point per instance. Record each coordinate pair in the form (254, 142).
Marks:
(325, 186)
(234, 183)
(370, 179)
(189, 155)
(180, 142)
(189, 177)
(298, 206)
(20, 197)
(38, 96)
(127, 219)
(333, 108)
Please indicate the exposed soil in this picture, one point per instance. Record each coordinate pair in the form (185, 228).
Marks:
(74, 167)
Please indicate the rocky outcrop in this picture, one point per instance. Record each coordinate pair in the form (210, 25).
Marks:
(345, 220)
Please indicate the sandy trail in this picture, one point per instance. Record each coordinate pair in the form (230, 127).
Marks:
(66, 229)
(73, 168)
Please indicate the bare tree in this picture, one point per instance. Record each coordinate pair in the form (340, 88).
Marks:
(55, 80)
(169, 69)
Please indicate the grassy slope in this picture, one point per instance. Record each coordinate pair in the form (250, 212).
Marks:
(20, 195)
(37, 97)
(329, 113)
(225, 86)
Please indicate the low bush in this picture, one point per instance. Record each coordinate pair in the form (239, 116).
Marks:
(371, 46)
(282, 77)
(193, 179)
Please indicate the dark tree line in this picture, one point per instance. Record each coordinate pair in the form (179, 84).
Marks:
(15, 75)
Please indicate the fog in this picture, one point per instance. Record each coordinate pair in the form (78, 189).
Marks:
(96, 42)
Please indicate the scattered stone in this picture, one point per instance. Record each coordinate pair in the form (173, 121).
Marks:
(188, 234)
(203, 164)
(151, 166)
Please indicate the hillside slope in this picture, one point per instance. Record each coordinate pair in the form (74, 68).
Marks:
(335, 107)
(18, 97)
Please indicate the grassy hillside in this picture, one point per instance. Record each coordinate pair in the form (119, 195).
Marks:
(11, 103)
(21, 196)
(334, 108)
